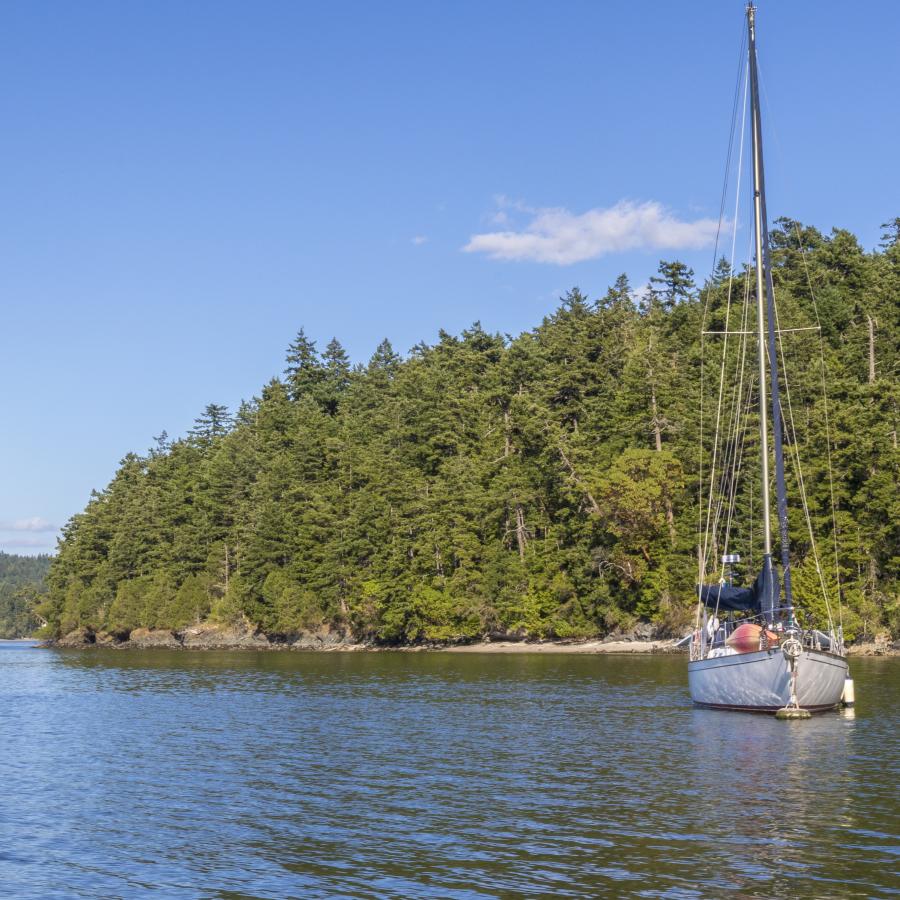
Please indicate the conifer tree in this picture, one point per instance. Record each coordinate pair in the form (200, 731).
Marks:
(211, 424)
(673, 283)
(335, 378)
(544, 484)
(303, 372)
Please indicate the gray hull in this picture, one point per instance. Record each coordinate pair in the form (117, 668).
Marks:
(760, 681)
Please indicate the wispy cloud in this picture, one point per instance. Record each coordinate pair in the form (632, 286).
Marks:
(35, 523)
(27, 544)
(562, 237)
(420, 239)
(641, 292)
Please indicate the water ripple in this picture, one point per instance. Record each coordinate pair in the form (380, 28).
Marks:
(221, 775)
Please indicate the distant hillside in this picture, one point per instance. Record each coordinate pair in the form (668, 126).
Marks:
(22, 581)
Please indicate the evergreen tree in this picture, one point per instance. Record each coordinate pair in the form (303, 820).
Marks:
(213, 423)
(891, 235)
(545, 484)
(303, 372)
(673, 283)
(336, 376)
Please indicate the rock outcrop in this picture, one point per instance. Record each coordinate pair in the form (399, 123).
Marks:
(323, 638)
(208, 636)
(80, 637)
(152, 638)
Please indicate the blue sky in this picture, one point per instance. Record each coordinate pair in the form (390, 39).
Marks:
(184, 185)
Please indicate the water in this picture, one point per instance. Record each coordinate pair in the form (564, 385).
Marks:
(232, 775)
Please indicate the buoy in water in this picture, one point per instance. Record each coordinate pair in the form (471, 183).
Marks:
(792, 712)
(848, 698)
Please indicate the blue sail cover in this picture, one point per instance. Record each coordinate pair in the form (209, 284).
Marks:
(758, 598)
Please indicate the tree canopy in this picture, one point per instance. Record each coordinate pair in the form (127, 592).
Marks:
(545, 484)
(22, 587)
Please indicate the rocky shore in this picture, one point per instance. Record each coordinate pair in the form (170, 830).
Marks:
(883, 647)
(208, 636)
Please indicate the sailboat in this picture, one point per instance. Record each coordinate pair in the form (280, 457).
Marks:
(753, 648)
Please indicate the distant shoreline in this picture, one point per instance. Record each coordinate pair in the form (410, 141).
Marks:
(584, 647)
(208, 637)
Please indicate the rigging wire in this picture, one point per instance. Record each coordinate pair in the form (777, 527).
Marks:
(704, 556)
(740, 77)
(734, 424)
(794, 456)
(812, 294)
(738, 435)
(734, 445)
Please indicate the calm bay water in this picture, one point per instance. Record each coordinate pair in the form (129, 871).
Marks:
(231, 775)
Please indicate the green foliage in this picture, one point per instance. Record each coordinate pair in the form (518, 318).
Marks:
(544, 485)
(188, 605)
(129, 609)
(294, 607)
(226, 609)
(427, 613)
(22, 593)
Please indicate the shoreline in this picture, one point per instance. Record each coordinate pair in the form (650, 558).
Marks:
(583, 647)
(210, 636)
(206, 638)
(488, 647)
(217, 637)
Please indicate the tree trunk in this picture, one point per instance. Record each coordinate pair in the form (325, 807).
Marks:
(227, 568)
(871, 349)
(521, 530)
(595, 507)
(657, 433)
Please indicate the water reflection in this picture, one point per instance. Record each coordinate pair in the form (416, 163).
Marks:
(776, 791)
(288, 774)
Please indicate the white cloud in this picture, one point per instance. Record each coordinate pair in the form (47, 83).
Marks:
(35, 523)
(420, 239)
(562, 237)
(26, 544)
(641, 292)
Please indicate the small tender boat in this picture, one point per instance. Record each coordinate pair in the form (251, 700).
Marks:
(762, 654)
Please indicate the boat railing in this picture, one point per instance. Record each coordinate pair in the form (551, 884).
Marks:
(774, 627)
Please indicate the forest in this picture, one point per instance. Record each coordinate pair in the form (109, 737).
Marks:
(543, 486)
(22, 587)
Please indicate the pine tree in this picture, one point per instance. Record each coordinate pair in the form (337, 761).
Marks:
(213, 423)
(891, 235)
(336, 376)
(303, 372)
(673, 283)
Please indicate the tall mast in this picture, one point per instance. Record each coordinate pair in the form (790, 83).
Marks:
(765, 312)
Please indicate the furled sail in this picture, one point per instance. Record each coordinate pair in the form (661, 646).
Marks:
(758, 598)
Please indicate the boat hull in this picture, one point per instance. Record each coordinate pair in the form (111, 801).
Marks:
(760, 681)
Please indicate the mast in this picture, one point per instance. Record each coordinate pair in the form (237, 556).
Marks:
(765, 312)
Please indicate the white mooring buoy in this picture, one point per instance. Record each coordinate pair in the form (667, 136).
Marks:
(792, 712)
(848, 698)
